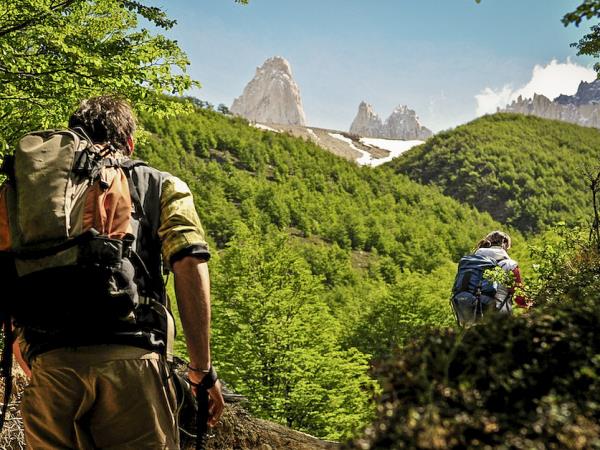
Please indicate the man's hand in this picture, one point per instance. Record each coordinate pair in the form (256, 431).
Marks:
(216, 403)
(192, 289)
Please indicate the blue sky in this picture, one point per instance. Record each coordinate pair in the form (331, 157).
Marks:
(433, 55)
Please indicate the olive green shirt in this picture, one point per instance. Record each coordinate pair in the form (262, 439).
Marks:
(180, 230)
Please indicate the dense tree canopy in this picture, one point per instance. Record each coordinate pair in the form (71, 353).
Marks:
(239, 172)
(56, 52)
(278, 342)
(526, 172)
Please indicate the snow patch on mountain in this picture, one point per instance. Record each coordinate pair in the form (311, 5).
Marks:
(265, 127)
(395, 147)
(365, 158)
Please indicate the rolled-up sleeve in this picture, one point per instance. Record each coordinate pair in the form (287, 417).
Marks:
(180, 230)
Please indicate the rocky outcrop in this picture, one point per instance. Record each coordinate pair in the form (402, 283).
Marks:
(272, 96)
(367, 122)
(403, 124)
(587, 94)
(583, 108)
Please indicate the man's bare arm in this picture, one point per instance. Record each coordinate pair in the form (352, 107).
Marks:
(192, 289)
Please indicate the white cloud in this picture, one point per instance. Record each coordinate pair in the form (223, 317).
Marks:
(550, 80)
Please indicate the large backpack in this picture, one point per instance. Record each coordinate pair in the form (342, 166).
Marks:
(67, 255)
(65, 229)
(472, 293)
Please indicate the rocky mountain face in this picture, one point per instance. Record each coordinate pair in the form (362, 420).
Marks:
(403, 123)
(272, 96)
(587, 94)
(367, 122)
(583, 108)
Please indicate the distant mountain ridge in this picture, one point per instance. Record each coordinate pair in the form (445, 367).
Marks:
(402, 123)
(587, 94)
(363, 151)
(583, 108)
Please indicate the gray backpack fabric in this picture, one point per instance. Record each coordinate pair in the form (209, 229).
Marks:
(68, 211)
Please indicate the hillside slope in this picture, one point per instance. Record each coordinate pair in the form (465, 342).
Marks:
(525, 171)
(241, 173)
(320, 265)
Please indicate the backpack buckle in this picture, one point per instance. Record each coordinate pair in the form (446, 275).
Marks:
(127, 249)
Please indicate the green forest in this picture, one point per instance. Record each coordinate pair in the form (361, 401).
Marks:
(527, 172)
(304, 239)
(330, 281)
(308, 239)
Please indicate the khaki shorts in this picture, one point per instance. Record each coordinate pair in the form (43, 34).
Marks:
(109, 397)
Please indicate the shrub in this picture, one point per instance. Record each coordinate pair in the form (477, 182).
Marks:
(524, 382)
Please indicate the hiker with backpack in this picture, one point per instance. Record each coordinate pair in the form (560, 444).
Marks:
(86, 234)
(475, 292)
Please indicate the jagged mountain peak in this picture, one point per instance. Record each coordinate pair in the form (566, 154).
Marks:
(587, 93)
(401, 109)
(402, 123)
(272, 96)
(276, 63)
(583, 108)
(367, 122)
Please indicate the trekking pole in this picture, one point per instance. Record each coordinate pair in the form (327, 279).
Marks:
(478, 308)
(202, 398)
(453, 307)
(202, 418)
(505, 302)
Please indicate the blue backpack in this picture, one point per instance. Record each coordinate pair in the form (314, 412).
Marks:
(472, 294)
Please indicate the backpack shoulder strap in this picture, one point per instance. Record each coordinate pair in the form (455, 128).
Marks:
(138, 192)
(131, 163)
(128, 165)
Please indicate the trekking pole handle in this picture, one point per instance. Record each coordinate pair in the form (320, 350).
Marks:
(202, 398)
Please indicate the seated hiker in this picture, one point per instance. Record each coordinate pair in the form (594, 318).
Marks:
(474, 293)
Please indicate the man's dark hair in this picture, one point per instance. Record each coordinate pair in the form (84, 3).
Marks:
(106, 119)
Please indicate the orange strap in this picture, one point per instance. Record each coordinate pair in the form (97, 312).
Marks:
(108, 209)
